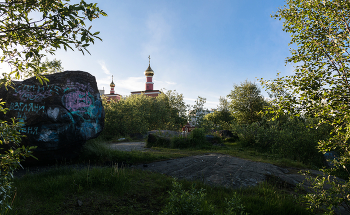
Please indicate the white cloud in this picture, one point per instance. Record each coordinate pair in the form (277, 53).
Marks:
(103, 67)
(171, 83)
(132, 83)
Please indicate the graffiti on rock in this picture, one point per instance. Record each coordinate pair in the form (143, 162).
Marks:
(48, 135)
(79, 113)
(29, 130)
(53, 113)
(27, 107)
(78, 100)
(21, 116)
(35, 93)
(70, 86)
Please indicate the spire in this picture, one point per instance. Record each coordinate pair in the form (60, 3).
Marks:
(112, 83)
(149, 71)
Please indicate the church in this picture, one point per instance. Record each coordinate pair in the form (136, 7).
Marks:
(149, 91)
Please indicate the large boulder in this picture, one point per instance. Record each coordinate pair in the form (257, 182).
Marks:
(60, 116)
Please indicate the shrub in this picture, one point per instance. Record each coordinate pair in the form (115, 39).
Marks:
(138, 114)
(197, 137)
(194, 201)
(180, 142)
(296, 138)
(157, 141)
(187, 202)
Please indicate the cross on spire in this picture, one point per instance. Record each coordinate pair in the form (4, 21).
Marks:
(149, 61)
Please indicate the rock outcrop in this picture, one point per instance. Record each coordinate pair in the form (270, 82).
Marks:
(60, 116)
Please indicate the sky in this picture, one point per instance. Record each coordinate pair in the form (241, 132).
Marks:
(197, 47)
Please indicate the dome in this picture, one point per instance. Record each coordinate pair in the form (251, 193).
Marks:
(112, 83)
(149, 71)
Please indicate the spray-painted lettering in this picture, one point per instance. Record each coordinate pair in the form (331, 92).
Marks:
(27, 107)
(78, 86)
(77, 101)
(29, 130)
(21, 116)
(35, 93)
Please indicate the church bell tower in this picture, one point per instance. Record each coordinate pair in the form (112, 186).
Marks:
(149, 75)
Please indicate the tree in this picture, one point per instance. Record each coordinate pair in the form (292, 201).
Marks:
(48, 67)
(320, 86)
(246, 102)
(196, 115)
(178, 107)
(25, 40)
(141, 113)
(222, 118)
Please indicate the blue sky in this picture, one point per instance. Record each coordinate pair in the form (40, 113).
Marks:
(197, 47)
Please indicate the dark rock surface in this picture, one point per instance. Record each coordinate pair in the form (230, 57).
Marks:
(224, 170)
(59, 116)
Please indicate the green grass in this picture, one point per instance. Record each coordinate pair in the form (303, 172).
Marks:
(97, 151)
(113, 190)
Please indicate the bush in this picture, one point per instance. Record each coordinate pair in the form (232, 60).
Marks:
(157, 141)
(197, 137)
(194, 201)
(296, 138)
(138, 114)
(187, 202)
(180, 142)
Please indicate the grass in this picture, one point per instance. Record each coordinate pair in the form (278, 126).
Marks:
(100, 190)
(114, 190)
(97, 151)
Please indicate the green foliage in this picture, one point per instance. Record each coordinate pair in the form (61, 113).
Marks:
(139, 114)
(235, 206)
(195, 139)
(319, 200)
(320, 86)
(197, 113)
(295, 138)
(180, 143)
(246, 103)
(10, 158)
(47, 67)
(25, 40)
(115, 190)
(157, 141)
(194, 201)
(218, 120)
(187, 202)
(177, 106)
